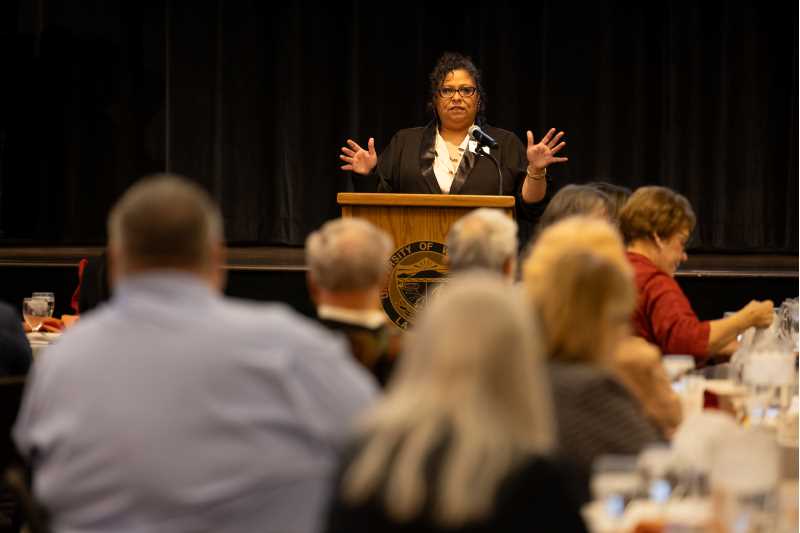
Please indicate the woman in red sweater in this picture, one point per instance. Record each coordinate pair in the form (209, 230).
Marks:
(656, 223)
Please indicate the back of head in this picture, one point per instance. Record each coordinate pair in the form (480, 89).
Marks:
(348, 254)
(570, 322)
(617, 196)
(165, 221)
(580, 233)
(452, 355)
(655, 211)
(574, 200)
(471, 377)
(485, 238)
(586, 301)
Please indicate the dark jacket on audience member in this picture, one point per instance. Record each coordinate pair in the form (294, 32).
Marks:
(375, 348)
(595, 415)
(94, 288)
(533, 498)
(15, 361)
(15, 351)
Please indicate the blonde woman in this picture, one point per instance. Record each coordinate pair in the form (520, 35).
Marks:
(578, 280)
(462, 437)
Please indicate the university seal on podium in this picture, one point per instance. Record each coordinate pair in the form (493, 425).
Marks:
(418, 270)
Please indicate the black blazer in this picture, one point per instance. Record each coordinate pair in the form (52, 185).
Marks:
(406, 166)
(533, 498)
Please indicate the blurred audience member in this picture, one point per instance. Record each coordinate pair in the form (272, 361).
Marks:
(579, 282)
(348, 260)
(173, 408)
(93, 287)
(637, 364)
(15, 350)
(485, 239)
(574, 200)
(15, 361)
(656, 223)
(617, 194)
(461, 440)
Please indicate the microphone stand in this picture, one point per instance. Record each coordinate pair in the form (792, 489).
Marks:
(479, 151)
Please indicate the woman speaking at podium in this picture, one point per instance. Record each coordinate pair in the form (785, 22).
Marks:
(440, 158)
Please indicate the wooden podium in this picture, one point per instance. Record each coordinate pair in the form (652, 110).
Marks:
(417, 217)
(419, 224)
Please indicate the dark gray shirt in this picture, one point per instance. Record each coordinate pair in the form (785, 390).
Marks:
(595, 415)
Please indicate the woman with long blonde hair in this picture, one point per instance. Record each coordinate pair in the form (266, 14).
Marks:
(579, 282)
(462, 437)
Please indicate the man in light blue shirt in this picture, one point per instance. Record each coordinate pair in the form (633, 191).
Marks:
(173, 408)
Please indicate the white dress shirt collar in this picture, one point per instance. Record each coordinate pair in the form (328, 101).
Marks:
(369, 318)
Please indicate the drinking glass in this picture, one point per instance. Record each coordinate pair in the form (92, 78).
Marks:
(744, 481)
(34, 311)
(692, 396)
(615, 482)
(51, 300)
(769, 376)
(654, 465)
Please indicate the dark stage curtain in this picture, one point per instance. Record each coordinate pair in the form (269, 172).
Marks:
(254, 99)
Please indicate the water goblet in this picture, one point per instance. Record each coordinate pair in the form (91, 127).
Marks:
(51, 300)
(34, 311)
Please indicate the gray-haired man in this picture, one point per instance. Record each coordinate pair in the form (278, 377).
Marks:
(486, 239)
(348, 260)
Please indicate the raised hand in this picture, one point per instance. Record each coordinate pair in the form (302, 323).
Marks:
(543, 154)
(357, 159)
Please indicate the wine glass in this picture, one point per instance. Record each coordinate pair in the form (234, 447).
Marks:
(35, 310)
(51, 300)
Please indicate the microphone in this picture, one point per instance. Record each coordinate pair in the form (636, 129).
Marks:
(482, 139)
(480, 136)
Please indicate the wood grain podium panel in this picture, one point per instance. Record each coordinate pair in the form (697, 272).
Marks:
(418, 224)
(417, 217)
(425, 200)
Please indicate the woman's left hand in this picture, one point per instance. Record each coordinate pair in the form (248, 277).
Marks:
(542, 154)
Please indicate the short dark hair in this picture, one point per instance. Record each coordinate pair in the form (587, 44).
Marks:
(447, 63)
(165, 221)
(616, 193)
(573, 200)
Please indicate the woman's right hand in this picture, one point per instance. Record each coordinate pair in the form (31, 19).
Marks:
(759, 314)
(359, 160)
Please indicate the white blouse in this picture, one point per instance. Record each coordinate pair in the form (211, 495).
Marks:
(447, 160)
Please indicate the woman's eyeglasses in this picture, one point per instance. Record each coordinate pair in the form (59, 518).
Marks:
(449, 92)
